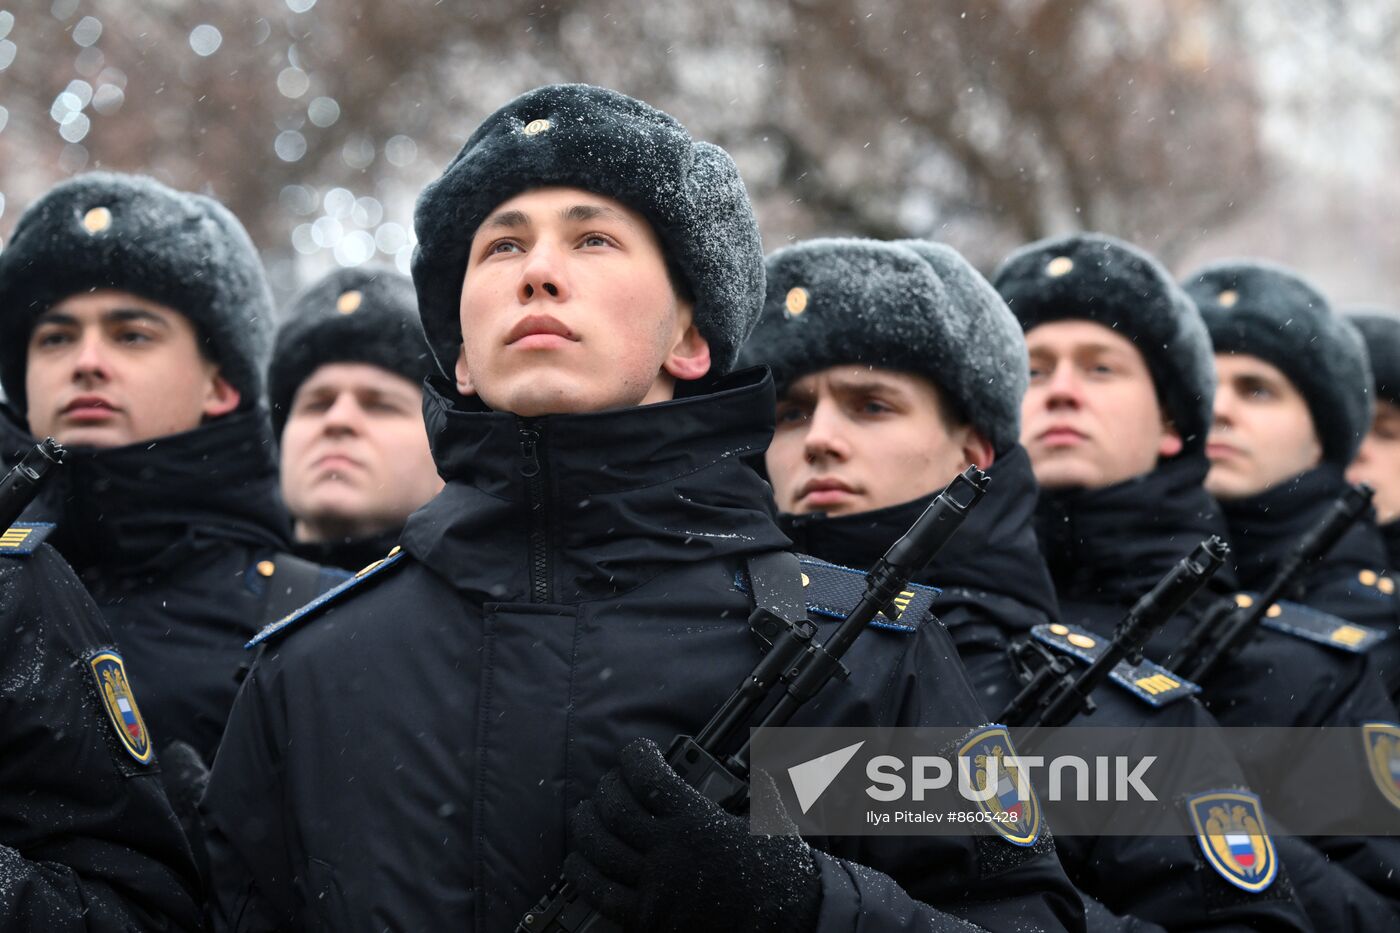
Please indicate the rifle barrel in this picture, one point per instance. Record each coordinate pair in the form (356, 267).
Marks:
(1213, 640)
(1144, 619)
(22, 484)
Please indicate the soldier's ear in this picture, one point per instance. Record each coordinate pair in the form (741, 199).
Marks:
(1170, 444)
(463, 376)
(976, 449)
(220, 396)
(689, 357)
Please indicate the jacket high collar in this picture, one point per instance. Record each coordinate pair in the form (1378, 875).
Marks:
(569, 508)
(1264, 528)
(145, 506)
(1111, 545)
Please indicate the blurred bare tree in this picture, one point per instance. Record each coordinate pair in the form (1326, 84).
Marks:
(993, 123)
(983, 125)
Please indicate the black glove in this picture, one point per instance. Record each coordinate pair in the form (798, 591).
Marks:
(185, 773)
(185, 776)
(653, 854)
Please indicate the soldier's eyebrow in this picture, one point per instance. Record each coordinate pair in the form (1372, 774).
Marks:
(402, 395)
(797, 392)
(129, 315)
(508, 220)
(57, 318)
(114, 315)
(582, 213)
(864, 385)
(1255, 380)
(1099, 348)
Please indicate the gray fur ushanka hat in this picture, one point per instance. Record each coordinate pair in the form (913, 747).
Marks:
(1094, 277)
(575, 135)
(1380, 331)
(1263, 310)
(362, 315)
(909, 305)
(104, 230)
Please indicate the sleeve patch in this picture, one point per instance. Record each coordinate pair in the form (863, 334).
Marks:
(326, 598)
(833, 591)
(23, 538)
(1150, 682)
(1229, 827)
(113, 689)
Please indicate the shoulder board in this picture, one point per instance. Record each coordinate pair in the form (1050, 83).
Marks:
(1151, 683)
(1319, 627)
(833, 591)
(325, 599)
(23, 538)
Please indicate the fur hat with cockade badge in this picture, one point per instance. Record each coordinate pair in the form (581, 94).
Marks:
(361, 315)
(131, 233)
(578, 136)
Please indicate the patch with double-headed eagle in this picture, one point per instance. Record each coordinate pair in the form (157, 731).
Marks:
(109, 673)
(1010, 800)
(1229, 826)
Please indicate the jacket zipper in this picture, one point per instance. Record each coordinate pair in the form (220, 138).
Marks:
(536, 484)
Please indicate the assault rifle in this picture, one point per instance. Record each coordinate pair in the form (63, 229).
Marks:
(1053, 695)
(1220, 634)
(22, 484)
(716, 760)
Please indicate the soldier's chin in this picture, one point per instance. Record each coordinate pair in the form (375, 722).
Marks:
(97, 436)
(542, 391)
(1066, 472)
(1227, 483)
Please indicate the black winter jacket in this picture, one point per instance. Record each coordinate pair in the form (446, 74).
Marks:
(88, 841)
(995, 588)
(405, 756)
(179, 541)
(1106, 547)
(1350, 581)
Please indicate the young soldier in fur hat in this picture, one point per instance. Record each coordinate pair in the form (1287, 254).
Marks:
(1293, 406)
(1115, 420)
(345, 385)
(408, 754)
(134, 325)
(897, 365)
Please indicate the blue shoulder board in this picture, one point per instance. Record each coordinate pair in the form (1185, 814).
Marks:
(833, 591)
(326, 598)
(23, 538)
(1149, 682)
(1318, 627)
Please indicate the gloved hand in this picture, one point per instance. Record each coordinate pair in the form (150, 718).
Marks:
(653, 854)
(185, 776)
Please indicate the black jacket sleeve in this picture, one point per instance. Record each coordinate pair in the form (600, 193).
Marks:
(251, 873)
(88, 841)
